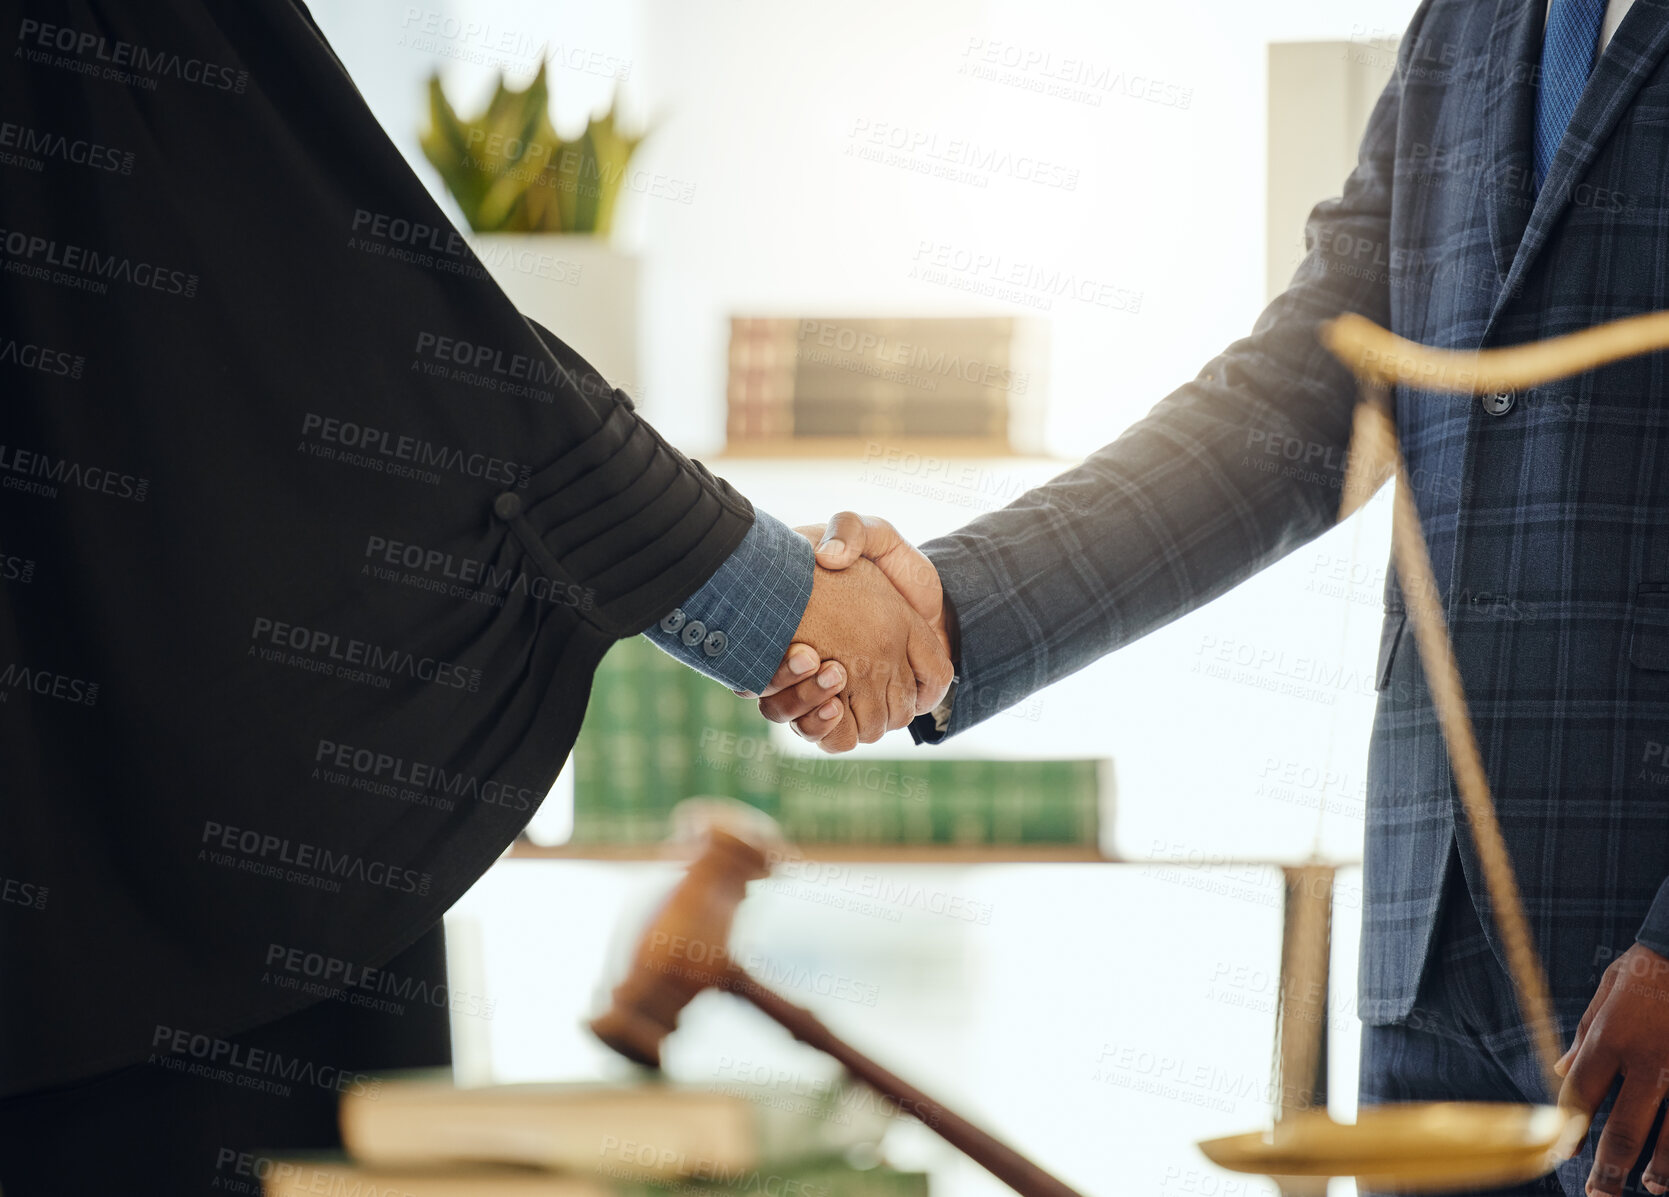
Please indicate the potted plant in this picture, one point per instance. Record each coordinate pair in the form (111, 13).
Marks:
(541, 208)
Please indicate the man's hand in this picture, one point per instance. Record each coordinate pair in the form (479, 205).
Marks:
(818, 716)
(1625, 1030)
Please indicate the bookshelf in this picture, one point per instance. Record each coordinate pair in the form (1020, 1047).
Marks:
(888, 854)
(856, 448)
(835, 386)
(878, 854)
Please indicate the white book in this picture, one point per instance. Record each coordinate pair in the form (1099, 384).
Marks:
(643, 1131)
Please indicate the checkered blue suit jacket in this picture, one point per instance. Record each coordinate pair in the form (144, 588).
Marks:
(1548, 522)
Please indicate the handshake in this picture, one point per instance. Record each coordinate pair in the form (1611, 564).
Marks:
(875, 646)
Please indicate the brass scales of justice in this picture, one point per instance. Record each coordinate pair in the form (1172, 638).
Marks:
(1405, 1147)
(1425, 1146)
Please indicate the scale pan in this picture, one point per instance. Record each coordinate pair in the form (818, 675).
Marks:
(1412, 1147)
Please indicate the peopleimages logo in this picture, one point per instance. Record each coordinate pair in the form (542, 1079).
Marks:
(485, 366)
(956, 158)
(268, 852)
(57, 362)
(119, 57)
(465, 577)
(322, 651)
(394, 453)
(242, 1065)
(47, 684)
(866, 343)
(41, 474)
(381, 771)
(363, 986)
(42, 143)
(46, 258)
(411, 234)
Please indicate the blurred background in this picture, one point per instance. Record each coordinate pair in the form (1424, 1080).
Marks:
(911, 260)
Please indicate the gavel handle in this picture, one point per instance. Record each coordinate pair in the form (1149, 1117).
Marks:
(995, 1156)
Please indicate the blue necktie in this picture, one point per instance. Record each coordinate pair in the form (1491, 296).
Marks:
(1567, 58)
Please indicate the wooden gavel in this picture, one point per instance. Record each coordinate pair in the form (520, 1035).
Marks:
(685, 950)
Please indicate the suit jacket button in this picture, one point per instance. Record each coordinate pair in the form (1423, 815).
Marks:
(1498, 404)
(674, 621)
(693, 633)
(715, 643)
(507, 506)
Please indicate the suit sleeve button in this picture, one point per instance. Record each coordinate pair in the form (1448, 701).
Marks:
(507, 506)
(693, 632)
(715, 643)
(1499, 403)
(673, 621)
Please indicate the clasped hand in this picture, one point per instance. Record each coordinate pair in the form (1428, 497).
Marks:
(873, 649)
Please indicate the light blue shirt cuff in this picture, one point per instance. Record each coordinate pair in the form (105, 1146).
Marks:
(737, 628)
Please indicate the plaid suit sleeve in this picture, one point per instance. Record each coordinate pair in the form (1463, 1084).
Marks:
(1225, 476)
(738, 626)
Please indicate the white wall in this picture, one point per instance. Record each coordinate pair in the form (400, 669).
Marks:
(756, 104)
(762, 106)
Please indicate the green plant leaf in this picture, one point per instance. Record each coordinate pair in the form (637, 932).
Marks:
(444, 144)
(613, 151)
(510, 171)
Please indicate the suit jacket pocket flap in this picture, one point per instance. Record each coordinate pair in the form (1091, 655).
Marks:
(1389, 634)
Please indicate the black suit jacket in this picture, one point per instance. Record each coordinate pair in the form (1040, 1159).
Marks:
(297, 620)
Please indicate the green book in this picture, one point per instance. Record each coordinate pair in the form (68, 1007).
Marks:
(657, 733)
(311, 1175)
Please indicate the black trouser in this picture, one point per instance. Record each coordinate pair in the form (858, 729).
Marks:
(189, 1124)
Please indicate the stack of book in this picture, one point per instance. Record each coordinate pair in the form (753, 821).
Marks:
(890, 379)
(422, 1136)
(657, 733)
